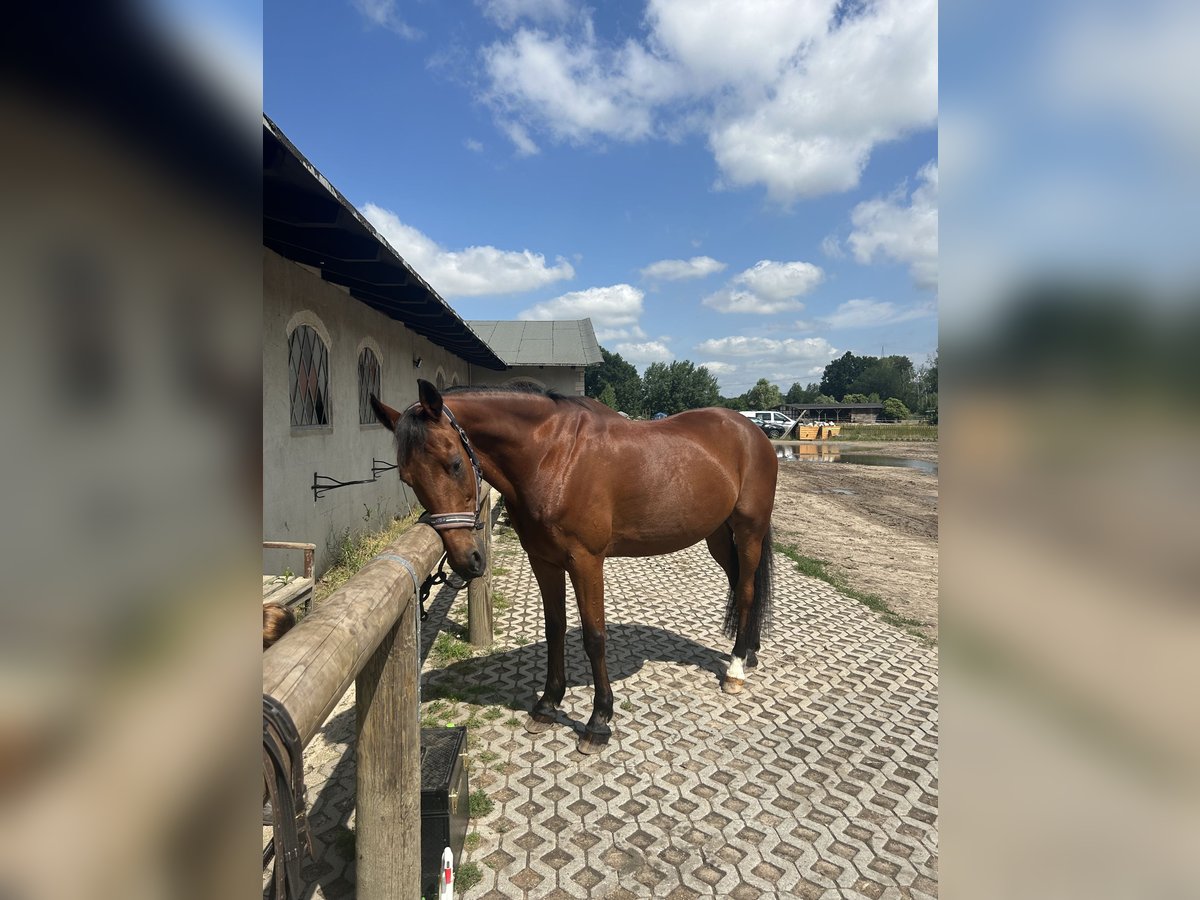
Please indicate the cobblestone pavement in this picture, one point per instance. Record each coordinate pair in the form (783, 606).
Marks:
(819, 780)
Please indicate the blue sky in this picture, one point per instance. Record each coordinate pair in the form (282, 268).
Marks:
(749, 185)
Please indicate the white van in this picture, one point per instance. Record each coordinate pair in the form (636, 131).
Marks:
(770, 417)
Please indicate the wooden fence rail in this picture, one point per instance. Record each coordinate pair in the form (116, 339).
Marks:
(366, 632)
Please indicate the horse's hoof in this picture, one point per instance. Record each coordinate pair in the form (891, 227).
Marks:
(591, 743)
(537, 724)
(733, 685)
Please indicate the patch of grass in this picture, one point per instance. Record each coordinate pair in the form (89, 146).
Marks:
(499, 601)
(627, 706)
(815, 568)
(499, 570)
(480, 803)
(353, 550)
(488, 756)
(512, 721)
(467, 876)
(492, 713)
(884, 432)
(472, 841)
(448, 648)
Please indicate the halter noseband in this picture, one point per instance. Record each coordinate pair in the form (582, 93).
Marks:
(447, 521)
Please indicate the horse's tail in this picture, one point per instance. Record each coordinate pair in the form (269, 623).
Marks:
(760, 607)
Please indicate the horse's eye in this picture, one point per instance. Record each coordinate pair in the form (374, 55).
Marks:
(456, 467)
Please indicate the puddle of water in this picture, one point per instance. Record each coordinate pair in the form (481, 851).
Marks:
(833, 453)
(870, 459)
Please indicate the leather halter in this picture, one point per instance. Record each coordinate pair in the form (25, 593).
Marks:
(449, 521)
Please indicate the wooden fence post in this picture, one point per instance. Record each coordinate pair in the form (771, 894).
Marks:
(480, 620)
(388, 757)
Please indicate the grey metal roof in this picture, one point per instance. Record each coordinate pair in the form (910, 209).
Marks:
(307, 220)
(560, 343)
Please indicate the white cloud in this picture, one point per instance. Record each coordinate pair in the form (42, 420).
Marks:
(614, 310)
(603, 335)
(680, 269)
(473, 272)
(743, 359)
(832, 248)
(731, 300)
(769, 287)
(521, 139)
(642, 354)
(780, 280)
(872, 313)
(802, 349)
(473, 145)
(505, 13)
(383, 13)
(906, 232)
(793, 97)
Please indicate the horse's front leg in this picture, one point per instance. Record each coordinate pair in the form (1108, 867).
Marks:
(552, 581)
(587, 575)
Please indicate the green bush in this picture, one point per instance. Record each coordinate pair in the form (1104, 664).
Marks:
(894, 410)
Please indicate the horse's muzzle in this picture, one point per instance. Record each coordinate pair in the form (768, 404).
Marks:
(472, 567)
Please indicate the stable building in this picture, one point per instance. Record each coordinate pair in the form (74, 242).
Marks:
(552, 355)
(344, 316)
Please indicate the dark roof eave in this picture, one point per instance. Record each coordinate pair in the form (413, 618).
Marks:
(307, 220)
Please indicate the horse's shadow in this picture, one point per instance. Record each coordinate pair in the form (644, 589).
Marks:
(511, 679)
(515, 678)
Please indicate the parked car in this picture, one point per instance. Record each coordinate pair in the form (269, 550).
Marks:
(771, 421)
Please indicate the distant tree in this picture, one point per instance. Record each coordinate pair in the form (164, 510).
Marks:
(824, 400)
(608, 396)
(674, 387)
(855, 398)
(763, 395)
(891, 376)
(894, 410)
(873, 397)
(842, 372)
(738, 403)
(929, 412)
(797, 394)
(623, 378)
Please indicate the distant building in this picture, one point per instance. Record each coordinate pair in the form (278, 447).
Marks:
(833, 412)
(552, 355)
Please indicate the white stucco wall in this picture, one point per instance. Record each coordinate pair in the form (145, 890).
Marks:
(295, 294)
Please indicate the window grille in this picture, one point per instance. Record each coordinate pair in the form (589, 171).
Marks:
(308, 367)
(368, 384)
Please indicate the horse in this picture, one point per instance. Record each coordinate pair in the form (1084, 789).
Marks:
(582, 483)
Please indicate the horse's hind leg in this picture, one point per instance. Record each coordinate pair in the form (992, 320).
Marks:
(552, 582)
(724, 551)
(746, 607)
(587, 575)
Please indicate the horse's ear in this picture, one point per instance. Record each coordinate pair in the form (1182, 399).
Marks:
(431, 399)
(387, 416)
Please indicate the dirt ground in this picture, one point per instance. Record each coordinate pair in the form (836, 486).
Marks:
(875, 526)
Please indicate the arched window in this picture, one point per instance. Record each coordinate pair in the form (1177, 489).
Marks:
(308, 369)
(368, 384)
(440, 381)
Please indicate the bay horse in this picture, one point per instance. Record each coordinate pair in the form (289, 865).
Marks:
(582, 483)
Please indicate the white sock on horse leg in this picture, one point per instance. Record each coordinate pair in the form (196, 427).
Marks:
(737, 668)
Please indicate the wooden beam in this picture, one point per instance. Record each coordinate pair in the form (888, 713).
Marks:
(480, 616)
(311, 667)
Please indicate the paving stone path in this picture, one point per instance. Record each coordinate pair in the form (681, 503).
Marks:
(820, 780)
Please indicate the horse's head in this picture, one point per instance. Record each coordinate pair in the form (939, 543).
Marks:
(435, 460)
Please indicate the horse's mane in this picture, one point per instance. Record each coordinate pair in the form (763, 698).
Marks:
(411, 430)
